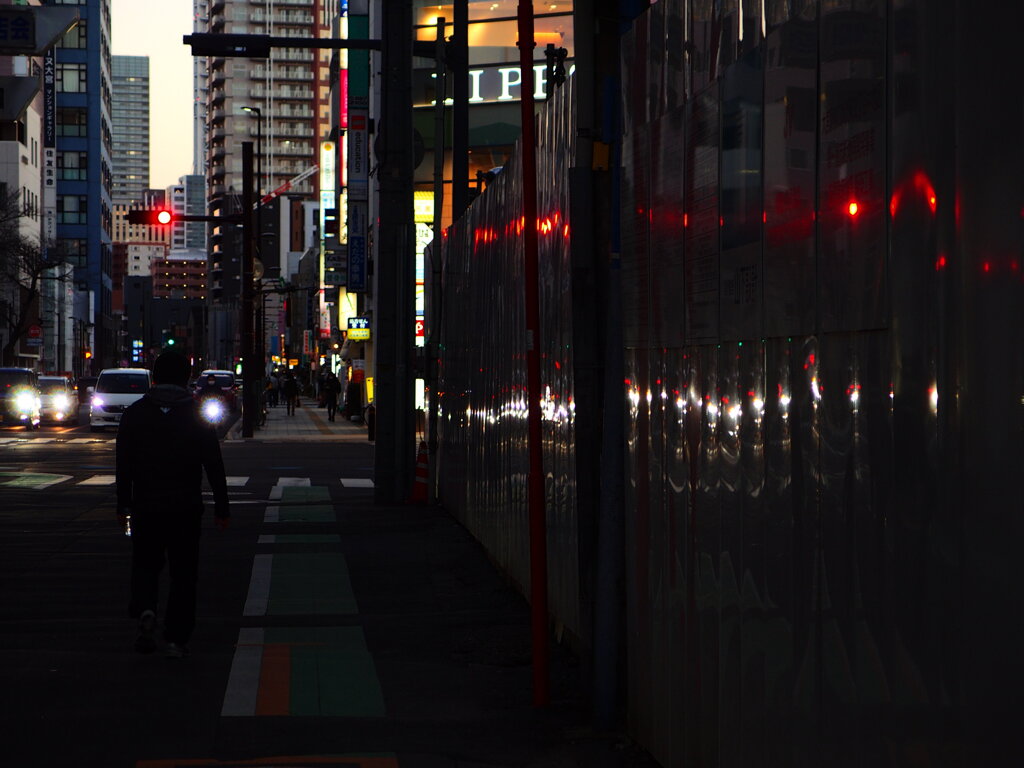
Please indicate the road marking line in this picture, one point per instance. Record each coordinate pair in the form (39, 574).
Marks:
(267, 538)
(356, 482)
(244, 678)
(259, 586)
(235, 482)
(81, 440)
(99, 480)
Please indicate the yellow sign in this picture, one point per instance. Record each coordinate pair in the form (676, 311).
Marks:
(359, 334)
(293, 361)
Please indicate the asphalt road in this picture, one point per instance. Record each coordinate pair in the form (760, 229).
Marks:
(330, 631)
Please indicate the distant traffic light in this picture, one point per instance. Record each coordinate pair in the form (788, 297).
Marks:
(156, 217)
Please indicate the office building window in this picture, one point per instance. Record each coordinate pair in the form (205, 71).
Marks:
(71, 78)
(72, 166)
(72, 121)
(76, 37)
(72, 209)
(74, 250)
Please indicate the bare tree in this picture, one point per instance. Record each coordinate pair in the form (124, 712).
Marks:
(23, 264)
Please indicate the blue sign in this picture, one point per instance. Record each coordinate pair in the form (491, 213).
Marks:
(356, 263)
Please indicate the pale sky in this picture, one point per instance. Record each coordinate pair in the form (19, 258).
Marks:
(154, 28)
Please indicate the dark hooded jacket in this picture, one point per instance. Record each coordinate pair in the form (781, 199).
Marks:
(163, 446)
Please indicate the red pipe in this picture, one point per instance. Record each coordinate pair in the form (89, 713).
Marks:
(538, 525)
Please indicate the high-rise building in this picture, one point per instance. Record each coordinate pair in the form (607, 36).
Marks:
(188, 198)
(84, 171)
(280, 104)
(130, 126)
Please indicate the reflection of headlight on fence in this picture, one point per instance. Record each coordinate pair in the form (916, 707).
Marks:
(25, 401)
(61, 401)
(213, 410)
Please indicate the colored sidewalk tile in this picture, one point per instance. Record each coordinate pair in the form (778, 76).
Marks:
(310, 583)
(303, 672)
(300, 505)
(290, 584)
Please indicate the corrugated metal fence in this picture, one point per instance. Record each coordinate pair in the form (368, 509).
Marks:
(824, 385)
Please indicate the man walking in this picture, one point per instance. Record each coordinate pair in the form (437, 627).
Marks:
(163, 446)
(290, 392)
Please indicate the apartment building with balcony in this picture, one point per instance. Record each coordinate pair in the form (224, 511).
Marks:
(280, 104)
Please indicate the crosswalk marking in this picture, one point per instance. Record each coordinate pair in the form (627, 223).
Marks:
(356, 482)
(98, 480)
(236, 482)
(33, 480)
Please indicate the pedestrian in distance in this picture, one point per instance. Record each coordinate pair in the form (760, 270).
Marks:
(332, 390)
(290, 392)
(274, 394)
(163, 447)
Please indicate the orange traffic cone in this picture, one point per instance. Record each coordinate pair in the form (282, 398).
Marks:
(419, 487)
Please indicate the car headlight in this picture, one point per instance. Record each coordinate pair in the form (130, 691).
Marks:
(97, 401)
(61, 401)
(25, 401)
(213, 410)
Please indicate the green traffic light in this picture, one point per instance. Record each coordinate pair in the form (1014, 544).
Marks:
(170, 342)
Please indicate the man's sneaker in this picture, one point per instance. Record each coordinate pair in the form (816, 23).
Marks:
(175, 651)
(145, 641)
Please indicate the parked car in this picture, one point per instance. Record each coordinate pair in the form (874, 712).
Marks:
(116, 389)
(19, 398)
(224, 382)
(59, 400)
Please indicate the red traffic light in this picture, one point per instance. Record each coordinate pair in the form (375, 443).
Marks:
(158, 217)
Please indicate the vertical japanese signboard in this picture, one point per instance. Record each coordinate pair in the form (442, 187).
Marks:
(49, 148)
(358, 158)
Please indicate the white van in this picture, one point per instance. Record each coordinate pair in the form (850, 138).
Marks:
(116, 389)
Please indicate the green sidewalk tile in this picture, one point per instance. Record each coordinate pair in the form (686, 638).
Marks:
(307, 511)
(305, 683)
(314, 583)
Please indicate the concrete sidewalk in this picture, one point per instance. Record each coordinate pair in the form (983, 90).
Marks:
(309, 422)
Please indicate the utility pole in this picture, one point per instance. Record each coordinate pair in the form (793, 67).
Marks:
(459, 66)
(245, 316)
(531, 279)
(395, 455)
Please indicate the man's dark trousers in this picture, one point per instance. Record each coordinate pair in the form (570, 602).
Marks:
(175, 537)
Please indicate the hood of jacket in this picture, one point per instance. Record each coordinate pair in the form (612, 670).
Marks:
(169, 396)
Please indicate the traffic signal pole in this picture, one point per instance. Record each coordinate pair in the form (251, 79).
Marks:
(395, 457)
(245, 315)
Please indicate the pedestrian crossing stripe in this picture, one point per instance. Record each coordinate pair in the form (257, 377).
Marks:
(98, 480)
(356, 482)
